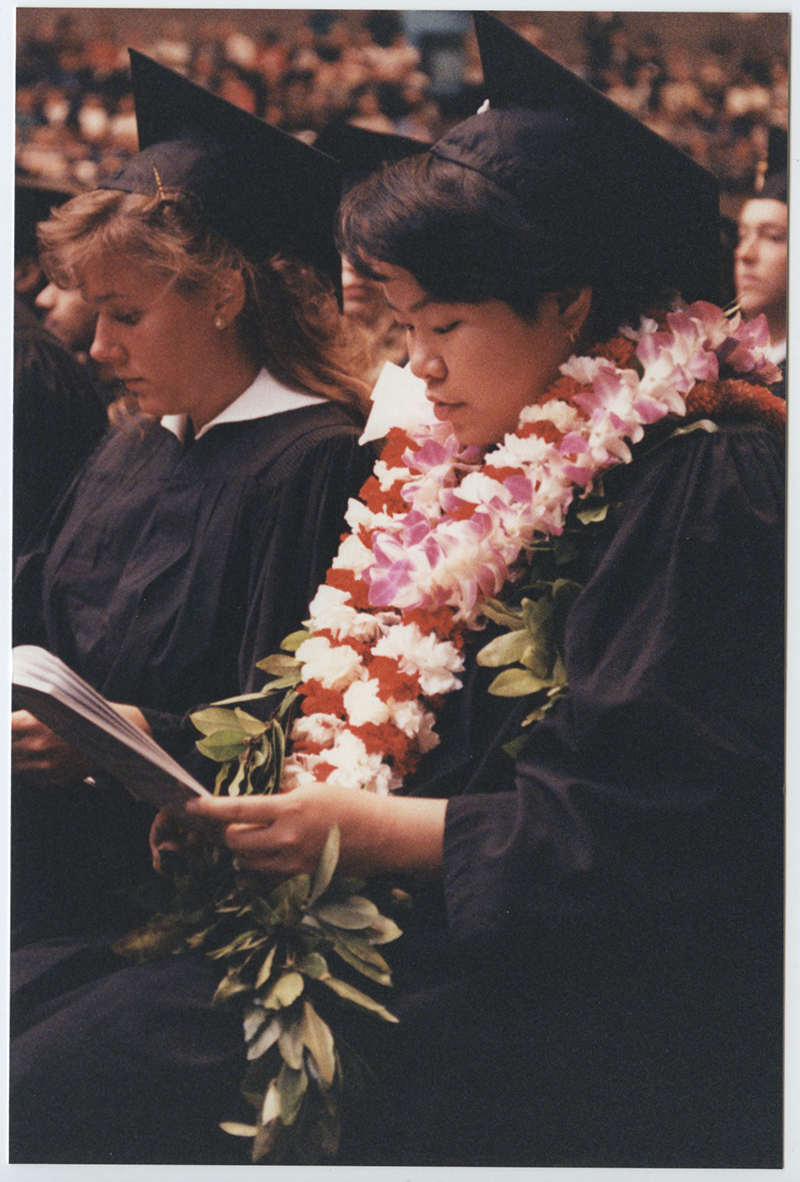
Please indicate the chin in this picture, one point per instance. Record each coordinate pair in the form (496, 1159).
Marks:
(475, 439)
(750, 300)
(750, 307)
(149, 406)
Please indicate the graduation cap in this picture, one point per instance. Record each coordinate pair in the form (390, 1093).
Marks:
(33, 203)
(641, 211)
(771, 182)
(262, 189)
(361, 152)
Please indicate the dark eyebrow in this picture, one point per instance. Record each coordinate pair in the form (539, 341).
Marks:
(759, 225)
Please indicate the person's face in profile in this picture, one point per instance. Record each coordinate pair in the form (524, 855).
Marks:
(481, 363)
(67, 316)
(163, 345)
(761, 258)
(362, 298)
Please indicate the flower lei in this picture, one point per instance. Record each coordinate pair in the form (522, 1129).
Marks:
(441, 528)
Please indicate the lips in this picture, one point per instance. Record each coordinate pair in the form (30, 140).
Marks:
(445, 410)
(747, 278)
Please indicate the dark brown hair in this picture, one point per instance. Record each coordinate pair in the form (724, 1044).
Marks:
(465, 240)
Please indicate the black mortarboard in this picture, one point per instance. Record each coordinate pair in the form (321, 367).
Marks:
(774, 175)
(264, 190)
(576, 162)
(33, 203)
(361, 152)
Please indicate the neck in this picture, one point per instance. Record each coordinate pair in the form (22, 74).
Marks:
(228, 376)
(776, 322)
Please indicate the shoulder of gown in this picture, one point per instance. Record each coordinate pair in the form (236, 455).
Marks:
(166, 575)
(666, 758)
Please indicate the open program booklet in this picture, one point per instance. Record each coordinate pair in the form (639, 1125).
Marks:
(44, 685)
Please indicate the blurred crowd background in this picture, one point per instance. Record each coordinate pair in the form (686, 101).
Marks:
(712, 83)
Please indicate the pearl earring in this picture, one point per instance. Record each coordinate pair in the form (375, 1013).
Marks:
(218, 323)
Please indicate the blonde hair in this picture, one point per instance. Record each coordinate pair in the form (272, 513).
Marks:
(290, 322)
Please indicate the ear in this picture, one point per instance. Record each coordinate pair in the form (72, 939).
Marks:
(228, 298)
(574, 306)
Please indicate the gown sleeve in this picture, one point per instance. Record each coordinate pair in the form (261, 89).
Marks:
(308, 527)
(657, 781)
(291, 538)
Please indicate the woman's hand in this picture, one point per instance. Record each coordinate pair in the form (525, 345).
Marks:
(134, 715)
(41, 756)
(170, 833)
(283, 835)
(44, 758)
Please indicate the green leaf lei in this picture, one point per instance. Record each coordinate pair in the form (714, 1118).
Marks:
(274, 946)
(531, 649)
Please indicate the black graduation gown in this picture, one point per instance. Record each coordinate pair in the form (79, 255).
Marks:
(597, 981)
(59, 417)
(164, 576)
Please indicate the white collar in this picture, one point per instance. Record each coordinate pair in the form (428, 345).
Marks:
(266, 396)
(777, 352)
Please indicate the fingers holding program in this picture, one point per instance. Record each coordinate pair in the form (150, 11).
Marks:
(284, 834)
(42, 756)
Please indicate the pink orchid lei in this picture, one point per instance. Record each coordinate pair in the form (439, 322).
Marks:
(440, 528)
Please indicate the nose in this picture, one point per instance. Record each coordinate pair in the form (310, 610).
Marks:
(47, 297)
(425, 361)
(747, 246)
(105, 348)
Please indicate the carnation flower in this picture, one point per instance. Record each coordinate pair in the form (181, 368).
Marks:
(302, 771)
(330, 611)
(320, 729)
(355, 767)
(584, 369)
(416, 722)
(435, 662)
(363, 703)
(562, 415)
(618, 350)
(387, 476)
(353, 555)
(333, 666)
